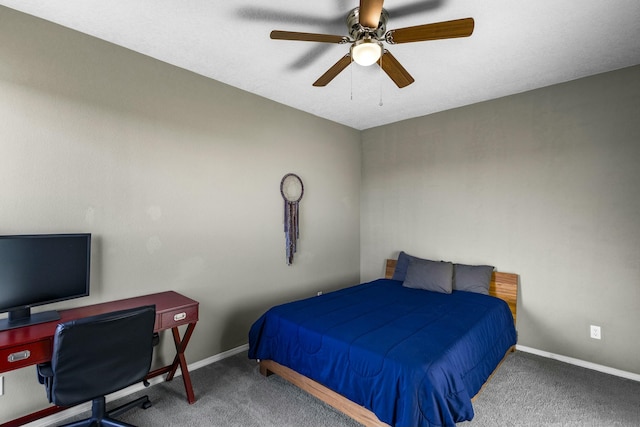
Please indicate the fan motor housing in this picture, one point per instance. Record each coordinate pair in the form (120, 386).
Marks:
(357, 31)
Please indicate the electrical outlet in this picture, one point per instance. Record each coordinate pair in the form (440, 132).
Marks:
(595, 332)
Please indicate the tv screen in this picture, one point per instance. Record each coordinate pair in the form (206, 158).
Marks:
(41, 269)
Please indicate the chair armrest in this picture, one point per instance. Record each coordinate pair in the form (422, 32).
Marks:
(45, 376)
(44, 371)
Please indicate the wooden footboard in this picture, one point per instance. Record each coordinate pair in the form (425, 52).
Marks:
(336, 400)
(328, 396)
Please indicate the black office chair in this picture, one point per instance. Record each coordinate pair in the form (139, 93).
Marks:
(98, 355)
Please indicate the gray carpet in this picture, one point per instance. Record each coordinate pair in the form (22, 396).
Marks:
(527, 390)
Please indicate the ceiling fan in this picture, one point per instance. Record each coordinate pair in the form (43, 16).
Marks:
(367, 27)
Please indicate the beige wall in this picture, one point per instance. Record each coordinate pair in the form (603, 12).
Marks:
(545, 184)
(176, 176)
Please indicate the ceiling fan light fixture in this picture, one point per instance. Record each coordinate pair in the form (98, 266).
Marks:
(366, 51)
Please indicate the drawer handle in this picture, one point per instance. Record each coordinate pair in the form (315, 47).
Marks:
(21, 355)
(180, 316)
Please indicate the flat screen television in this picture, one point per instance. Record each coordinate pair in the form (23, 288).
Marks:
(41, 269)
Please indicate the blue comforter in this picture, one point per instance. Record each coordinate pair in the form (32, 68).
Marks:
(413, 357)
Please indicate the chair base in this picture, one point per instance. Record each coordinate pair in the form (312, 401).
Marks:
(100, 417)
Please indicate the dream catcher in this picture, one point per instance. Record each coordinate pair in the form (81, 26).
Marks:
(292, 190)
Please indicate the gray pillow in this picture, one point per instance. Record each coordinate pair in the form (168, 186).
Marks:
(401, 266)
(472, 278)
(436, 276)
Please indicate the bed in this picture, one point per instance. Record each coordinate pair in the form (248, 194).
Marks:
(387, 354)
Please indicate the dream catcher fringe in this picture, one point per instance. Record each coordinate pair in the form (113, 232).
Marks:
(292, 190)
(291, 230)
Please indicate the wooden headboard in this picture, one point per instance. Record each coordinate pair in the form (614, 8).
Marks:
(502, 285)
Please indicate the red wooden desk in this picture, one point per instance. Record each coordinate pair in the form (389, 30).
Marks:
(33, 344)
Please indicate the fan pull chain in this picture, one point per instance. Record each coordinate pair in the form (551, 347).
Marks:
(351, 74)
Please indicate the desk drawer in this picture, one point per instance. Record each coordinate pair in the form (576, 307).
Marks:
(179, 317)
(20, 356)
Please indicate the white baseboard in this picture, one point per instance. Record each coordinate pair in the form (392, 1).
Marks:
(76, 410)
(581, 363)
(218, 357)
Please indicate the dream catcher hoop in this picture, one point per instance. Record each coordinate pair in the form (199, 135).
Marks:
(292, 190)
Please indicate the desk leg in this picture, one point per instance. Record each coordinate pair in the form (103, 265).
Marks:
(179, 360)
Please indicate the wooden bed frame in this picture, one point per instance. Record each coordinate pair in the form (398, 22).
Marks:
(502, 285)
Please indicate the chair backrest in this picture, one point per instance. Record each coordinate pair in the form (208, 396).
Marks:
(98, 355)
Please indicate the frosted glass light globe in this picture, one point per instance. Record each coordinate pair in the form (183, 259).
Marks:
(366, 52)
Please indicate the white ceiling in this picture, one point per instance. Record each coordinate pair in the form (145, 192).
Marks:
(516, 46)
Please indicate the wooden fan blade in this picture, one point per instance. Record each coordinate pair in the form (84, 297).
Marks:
(307, 37)
(437, 31)
(333, 71)
(369, 13)
(395, 71)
